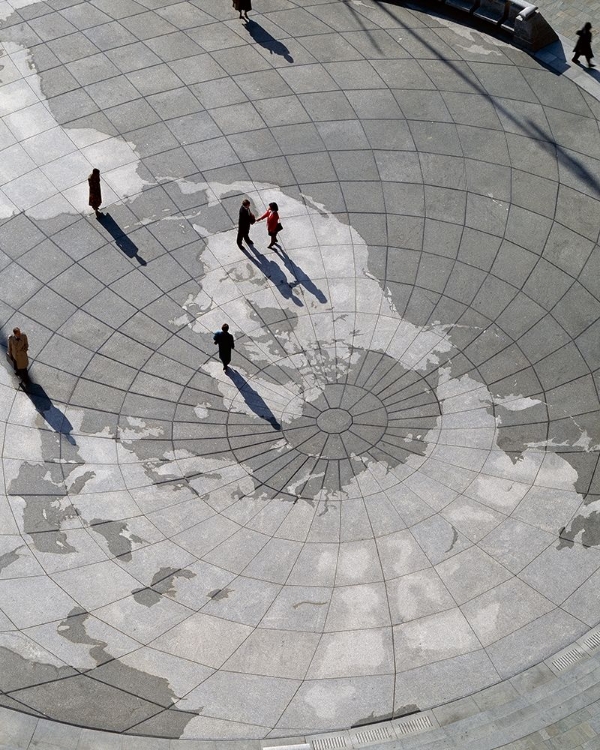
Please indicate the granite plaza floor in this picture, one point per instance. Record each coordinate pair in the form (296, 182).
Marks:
(392, 499)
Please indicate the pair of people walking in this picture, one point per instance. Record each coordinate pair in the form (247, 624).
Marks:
(246, 219)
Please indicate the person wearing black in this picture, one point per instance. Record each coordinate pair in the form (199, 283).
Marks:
(584, 45)
(245, 221)
(224, 340)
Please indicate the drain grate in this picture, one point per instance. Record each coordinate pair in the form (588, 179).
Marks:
(413, 725)
(373, 735)
(567, 659)
(592, 642)
(333, 742)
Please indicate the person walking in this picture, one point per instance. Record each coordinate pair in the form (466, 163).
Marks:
(224, 340)
(95, 199)
(243, 6)
(273, 225)
(584, 45)
(17, 353)
(245, 220)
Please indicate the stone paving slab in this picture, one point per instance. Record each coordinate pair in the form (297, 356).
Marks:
(388, 502)
(567, 16)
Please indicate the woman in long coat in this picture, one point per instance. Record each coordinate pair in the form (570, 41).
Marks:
(584, 45)
(95, 199)
(17, 352)
(243, 6)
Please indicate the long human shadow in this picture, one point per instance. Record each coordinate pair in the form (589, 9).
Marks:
(41, 401)
(576, 166)
(54, 417)
(593, 72)
(272, 271)
(274, 46)
(300, 277)
(122, 241)
(253, 399)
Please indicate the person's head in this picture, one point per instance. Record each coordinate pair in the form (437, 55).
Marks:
(95, 171)
(246, 203)
(225, 327)
(273, 206)
(17, 332)
(588, 26)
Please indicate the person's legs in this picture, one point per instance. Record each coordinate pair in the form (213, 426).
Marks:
(23, 376)
(273, 236)
(575, 59)
(225, 359)
(590, 63)
(240, 237)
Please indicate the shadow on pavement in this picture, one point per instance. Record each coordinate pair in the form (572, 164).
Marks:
(46, 409)
(301, 279)
(41, 401)
(274, 46)
(253, 399)
(576, 166)
(122, 241)
(272, 271)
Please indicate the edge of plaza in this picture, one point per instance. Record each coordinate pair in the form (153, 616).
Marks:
(557, 700)
(555, 56)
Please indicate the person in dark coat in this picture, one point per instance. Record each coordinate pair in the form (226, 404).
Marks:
(95, 199)
(243, 6)
(17, 353)
(584, 45)
(224, 340)
(245, 221)
(273, 225)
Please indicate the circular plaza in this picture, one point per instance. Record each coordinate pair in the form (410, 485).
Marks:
(390, 500)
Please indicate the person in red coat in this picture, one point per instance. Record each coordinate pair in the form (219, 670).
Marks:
(273, 225)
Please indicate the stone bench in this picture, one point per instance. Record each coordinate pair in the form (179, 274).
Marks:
(520, 19)
(494, 11)
(468, 5)
(530, 29)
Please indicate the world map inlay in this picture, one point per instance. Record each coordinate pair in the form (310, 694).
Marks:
(390, 499)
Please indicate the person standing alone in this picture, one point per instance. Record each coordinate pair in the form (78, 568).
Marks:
(243, 6)
(17, 352)
(245, 220)
(95, 199)
(224, 340)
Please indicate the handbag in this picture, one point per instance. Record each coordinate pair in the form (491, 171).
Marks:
(279, 228)
(252, 217)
